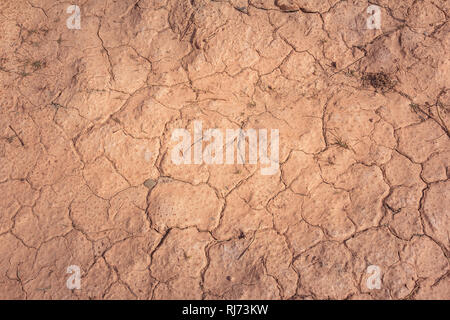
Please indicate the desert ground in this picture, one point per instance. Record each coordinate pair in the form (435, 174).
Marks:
(116, 183)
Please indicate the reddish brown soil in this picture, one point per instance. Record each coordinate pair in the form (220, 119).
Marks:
(86, 176)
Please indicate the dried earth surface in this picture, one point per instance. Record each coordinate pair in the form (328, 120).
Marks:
(86, 176)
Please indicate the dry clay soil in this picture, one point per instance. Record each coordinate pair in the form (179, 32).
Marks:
(86, 176)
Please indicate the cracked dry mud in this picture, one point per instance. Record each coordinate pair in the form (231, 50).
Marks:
(86, 177)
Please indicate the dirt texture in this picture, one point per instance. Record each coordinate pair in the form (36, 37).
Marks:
(87, 180)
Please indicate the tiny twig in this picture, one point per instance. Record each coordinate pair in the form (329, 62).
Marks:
(245, 250)
(21, 141)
